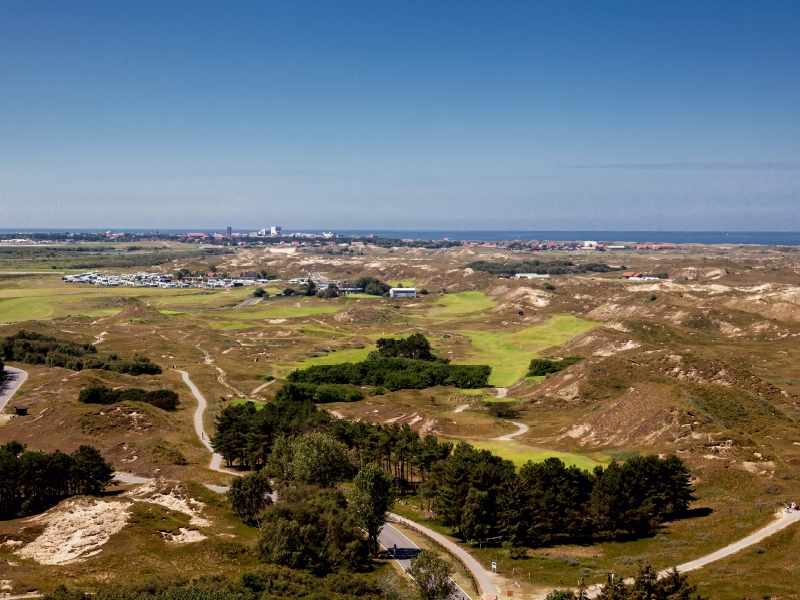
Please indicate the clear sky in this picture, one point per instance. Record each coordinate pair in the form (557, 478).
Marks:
(389, 115)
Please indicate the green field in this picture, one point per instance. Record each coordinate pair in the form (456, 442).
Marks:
(510, 353)
(519, 454)
(259, 405)
(462, 303)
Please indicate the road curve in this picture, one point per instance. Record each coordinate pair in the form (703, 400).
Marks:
(784, 520)
(480, 574)
(501, 392)
(16, 377)
(403, 550)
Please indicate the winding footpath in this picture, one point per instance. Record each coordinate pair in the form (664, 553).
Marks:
(16, 377)
(403, 549)
(522, 428)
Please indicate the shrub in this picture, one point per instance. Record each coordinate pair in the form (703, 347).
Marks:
(100, 394)
(544, 366)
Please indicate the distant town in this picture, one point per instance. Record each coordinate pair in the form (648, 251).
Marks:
(325, 240)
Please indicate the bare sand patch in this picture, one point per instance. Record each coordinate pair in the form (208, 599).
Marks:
(76, 529)
(175, 499)
(186, 536)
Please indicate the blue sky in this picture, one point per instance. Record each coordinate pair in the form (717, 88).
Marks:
(390, 115)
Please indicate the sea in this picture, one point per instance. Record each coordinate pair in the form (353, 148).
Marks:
(766, 238)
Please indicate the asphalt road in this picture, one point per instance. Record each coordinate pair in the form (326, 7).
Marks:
(403, 550)
(522, 428)
(16, 377)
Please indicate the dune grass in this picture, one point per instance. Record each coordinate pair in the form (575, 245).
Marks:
(510, 353)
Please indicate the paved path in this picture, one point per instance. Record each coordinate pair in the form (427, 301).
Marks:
(461, 408)
(784, 520)
(480, 574)
(522, 429)
(403, 550)
(501, 392)
(216, 459)
(16, 377)
(131, 478)
(249, 302)
(262, 386)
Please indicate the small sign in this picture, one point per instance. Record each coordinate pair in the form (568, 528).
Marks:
(494, 566)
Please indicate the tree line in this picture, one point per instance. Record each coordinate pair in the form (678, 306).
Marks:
(32, 481)
(101, 394)
(34, 348)
(510, 268)
(475, 492)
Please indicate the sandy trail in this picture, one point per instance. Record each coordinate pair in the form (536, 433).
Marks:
(16, 377)
(522, 429)
(501, 392)
(461, 408)
(262, 386)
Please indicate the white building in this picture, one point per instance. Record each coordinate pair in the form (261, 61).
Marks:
(403, 293)
(275, 231)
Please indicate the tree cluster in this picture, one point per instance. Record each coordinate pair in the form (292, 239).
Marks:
(36, 349)
(318, 393)
(545, 366)
(101, 394)
(554, 267)
(32, 482)
(415, 346)
(244, 436)
(396, 374)
(372, 286)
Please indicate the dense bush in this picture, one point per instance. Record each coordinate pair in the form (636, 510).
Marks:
(34, 348)
(311, 528)
(554, 267)
(100, 394)
(319, 394)
(267, 582)
(31, 482)
(37, 349)
(396, 374)
(372, 286)
(544, 366)
(414, 346)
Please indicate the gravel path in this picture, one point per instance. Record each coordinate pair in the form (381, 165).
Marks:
(501, 392)
(461, 408)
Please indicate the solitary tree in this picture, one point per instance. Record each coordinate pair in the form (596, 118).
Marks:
(249, 496)
(318, 459)
(370, 501)
(431, 574)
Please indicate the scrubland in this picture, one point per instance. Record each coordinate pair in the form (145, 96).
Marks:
(703, 365)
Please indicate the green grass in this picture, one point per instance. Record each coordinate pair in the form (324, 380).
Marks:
(519, 454)
(462, 303)
(259, 405)
(510, 353)
(286, 308)
(25, 309)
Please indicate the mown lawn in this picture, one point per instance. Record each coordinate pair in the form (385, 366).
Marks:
(510, 353)
(519, 454)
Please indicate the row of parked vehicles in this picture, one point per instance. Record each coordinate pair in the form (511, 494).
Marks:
(157, 280)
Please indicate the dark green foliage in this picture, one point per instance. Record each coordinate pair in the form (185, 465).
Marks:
(249, 496)
(100, 394)
(504, 410)
(396, 374)
(32, 482)
(431, 575)
(260, 292)
(318, 394)
(372, 286)
(35, 349)
(635, 496)
(414, 346)
(267, 582)
(311, 528)
(560, 595)
(371, 500)
(549, 286)
(555, 267)
(288, 292)
(245, 435)
(544, 366)
(330, 292)
(310, 289)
